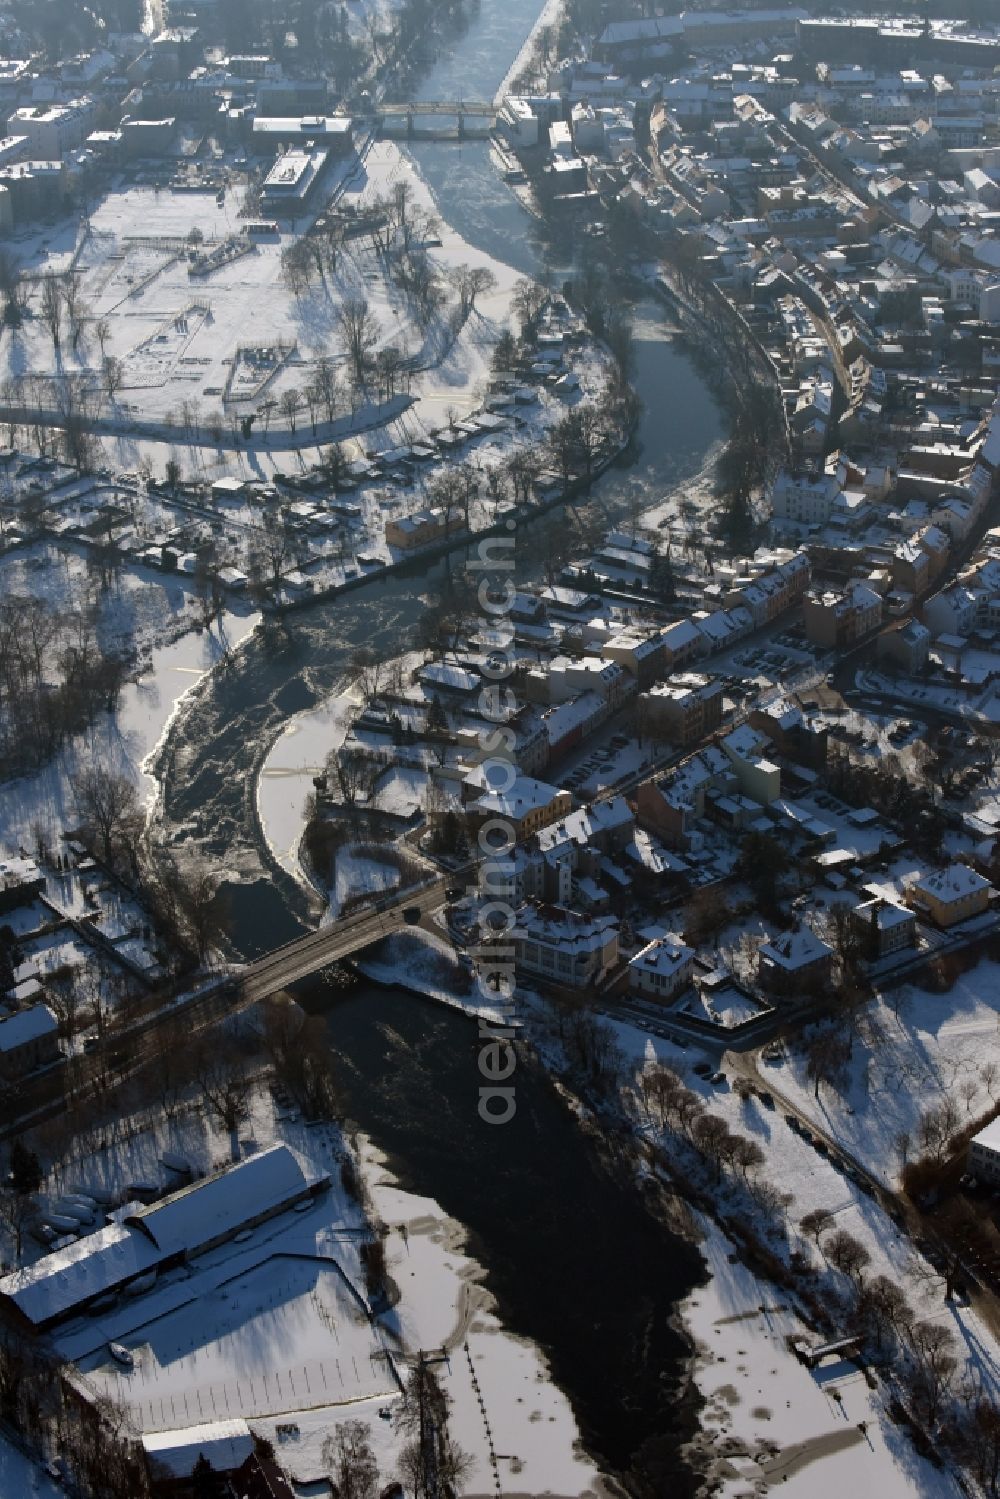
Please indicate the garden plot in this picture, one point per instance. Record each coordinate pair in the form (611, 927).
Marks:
(253, 369)
(401, 791)
(154, 361)
(283, 1336)
(113, 276)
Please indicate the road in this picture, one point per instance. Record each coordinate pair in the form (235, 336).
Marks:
(123, 1053)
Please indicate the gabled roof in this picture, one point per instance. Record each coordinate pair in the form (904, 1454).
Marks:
(220, 1204)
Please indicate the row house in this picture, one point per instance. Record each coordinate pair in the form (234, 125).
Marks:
(683, 642)
(791, 733)
(567, 724)
(566, 677)
(838, 617)
(757, 776)
(918, 561)
(670, 805)
(643, 656)
(548, 866)
(805, 498)
(683, 709)
(773, 592)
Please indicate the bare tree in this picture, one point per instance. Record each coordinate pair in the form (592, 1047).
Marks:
(52, 309)
(471, 282)
(326, 387)
(226, 1087)
(366, 668)
(17, 1209)
(113, 372)
(291, 405)
(350, 1461)
(846, 1253)
(816, 1223)
(108, 807)
(359, 331)
(933, 1345)
(76, 310)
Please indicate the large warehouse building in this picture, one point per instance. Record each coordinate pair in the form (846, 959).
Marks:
(149, 1239)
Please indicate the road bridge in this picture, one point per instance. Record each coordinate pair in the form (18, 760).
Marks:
(341, 939)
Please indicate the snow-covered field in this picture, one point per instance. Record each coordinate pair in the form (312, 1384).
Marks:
(179, 338)
(769, 1421)
(358, 874)
(914, 1049)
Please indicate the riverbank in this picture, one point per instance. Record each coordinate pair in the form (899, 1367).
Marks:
(547, 16)
(128, 740)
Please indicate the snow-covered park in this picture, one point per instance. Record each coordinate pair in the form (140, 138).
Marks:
(191, 351)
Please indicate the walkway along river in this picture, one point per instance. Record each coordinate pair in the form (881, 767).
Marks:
(573, 1257)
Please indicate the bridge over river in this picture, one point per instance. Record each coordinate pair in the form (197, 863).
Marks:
(436, 119)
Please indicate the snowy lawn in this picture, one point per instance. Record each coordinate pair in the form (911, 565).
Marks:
(913, 1050)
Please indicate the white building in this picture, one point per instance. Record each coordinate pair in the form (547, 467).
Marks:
(53, 130)
(662, 969)
(170, 1232)
(805, 498)
(984, 1153)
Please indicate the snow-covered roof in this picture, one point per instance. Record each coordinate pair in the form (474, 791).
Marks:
(221, 1204)
(566, 931)
(15, 872)
(797, 949)
(581, 826)
(745, 742)
(565, 717)
(70, 1277)
(664, 955)
(447, 674)
(952, 884)
(523, 796)
(27, 1026)
(885, 913)
(683, 633)
(226, 1445)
